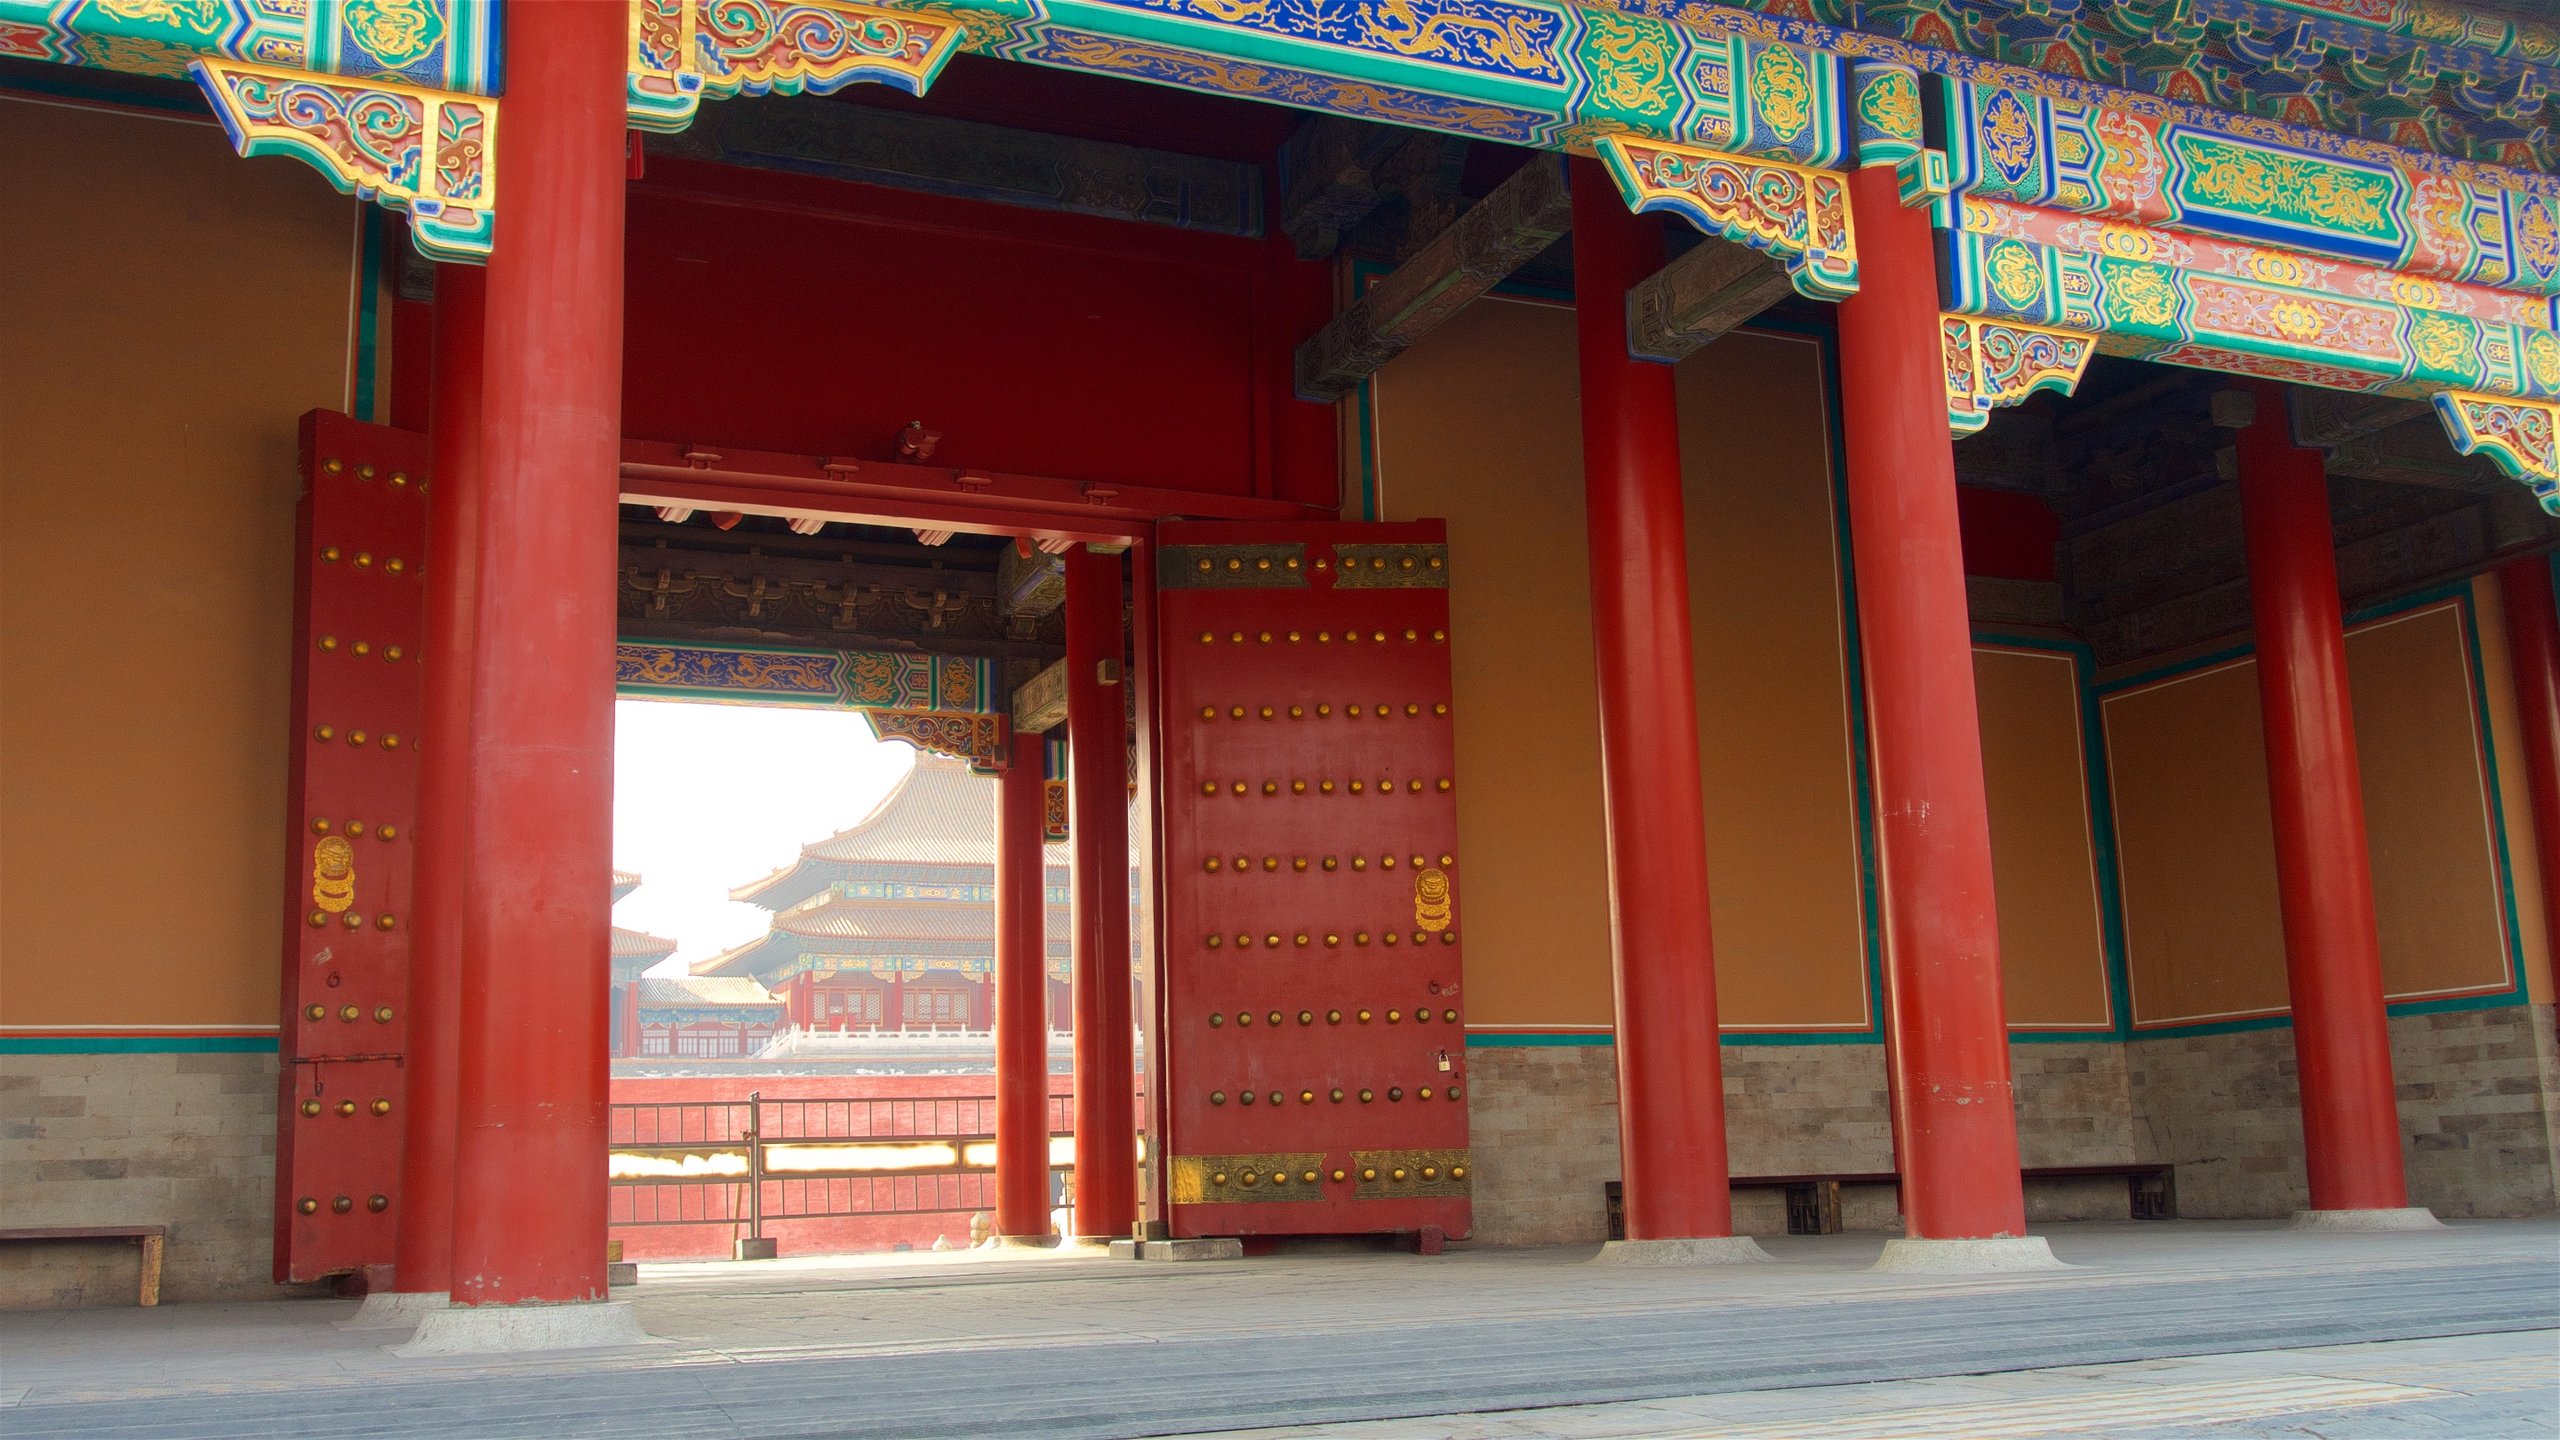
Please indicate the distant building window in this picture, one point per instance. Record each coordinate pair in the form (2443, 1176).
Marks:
(937, 1007)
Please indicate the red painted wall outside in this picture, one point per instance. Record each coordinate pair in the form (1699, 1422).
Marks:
(782, 312)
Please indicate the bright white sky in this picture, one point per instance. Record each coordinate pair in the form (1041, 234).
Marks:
(709, 797)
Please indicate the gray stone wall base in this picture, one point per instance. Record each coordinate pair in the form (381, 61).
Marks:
(2410, 1217)
(520, 1329)
(1702, 1250)
(395, 1309)
(1967, 1257)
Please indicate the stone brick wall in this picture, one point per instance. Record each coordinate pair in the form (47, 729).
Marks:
(1542, 1127)
(185, 1141)
(1545, 1132)
(2479, 1095)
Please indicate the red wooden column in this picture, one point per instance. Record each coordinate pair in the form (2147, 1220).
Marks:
(1954, 1112)
(1671, 1131)
(529, 1199)
(1098, 829)
(2533, 652)
(2333, 953)
(1020, 989)
(422, 1248)
(627, 1022)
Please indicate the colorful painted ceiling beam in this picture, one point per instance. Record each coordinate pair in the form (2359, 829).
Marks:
(1535, 72)
(2367, 329)
(430, 153)
(2429, 74)
(2170, 79)
(2223, 180)
(821, 679)
(449, 45)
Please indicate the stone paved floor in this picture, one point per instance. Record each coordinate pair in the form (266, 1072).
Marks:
(2471, 1387)
(995, 1344)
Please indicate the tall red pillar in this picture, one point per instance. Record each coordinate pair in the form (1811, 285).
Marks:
(529, 1195)
(422, 1245)
(2333, 953)
(2533, 653)
(1954, 1111)
(1671, 1131)
(1098, 829)
(627, 1020)
(1020, 990)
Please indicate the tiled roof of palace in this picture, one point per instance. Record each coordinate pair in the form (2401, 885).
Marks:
(696, 991)
(635, 944)
(937, 815)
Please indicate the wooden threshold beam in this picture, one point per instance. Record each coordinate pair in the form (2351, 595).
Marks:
(1502, 232)
(1714, 287)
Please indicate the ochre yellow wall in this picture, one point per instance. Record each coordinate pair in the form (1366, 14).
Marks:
(1477, 424)
(177, 309)
(1773, 689)
(2187, 766)
(2053, 952)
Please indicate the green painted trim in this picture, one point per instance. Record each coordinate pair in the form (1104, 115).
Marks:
(1757, 1038)
(368, 303)
(2470, 616)
(1529, 1039)
(137, 1044)
(2498, 1000)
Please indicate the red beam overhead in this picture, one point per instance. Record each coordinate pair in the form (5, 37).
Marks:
(939, 497)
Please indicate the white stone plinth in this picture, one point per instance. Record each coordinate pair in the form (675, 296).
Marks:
(516, 1329)
(1968, 1257)
(2413, 1217)
(1703, 1250)
(395, 1309)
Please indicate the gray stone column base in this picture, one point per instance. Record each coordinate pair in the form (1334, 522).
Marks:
(1022, 1242)
(516, 1329)
(395, 1309)
(1967, 1257)
(1700, 1250)
(2412, 1217)
(1207, 1248)
(1088, 1245)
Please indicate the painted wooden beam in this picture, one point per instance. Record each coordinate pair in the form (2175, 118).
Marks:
(1040, 703)
(2415, 452)
(1504, 231)
(1336, 171)
(1714, 287)
(2334, 417)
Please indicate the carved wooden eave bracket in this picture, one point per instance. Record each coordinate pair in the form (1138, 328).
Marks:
(1796, 215)
(2521, 436)
(686, 51)
(430, 153)
(1991, 363)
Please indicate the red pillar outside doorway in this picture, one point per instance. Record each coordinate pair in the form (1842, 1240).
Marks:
(529, 1204)
(2333, 952)
(1020, 991)
(2533, 653)
(422, 1246)
(1671, 1125)
(1954, 1108)
(1106, 1203)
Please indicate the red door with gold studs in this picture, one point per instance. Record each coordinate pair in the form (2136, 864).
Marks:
(1313, 1032)
(351, 792)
